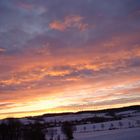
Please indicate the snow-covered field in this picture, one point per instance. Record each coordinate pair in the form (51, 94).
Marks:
(119, 134)
(127, 128)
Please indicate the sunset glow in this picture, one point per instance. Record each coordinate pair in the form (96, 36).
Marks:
(68, 55)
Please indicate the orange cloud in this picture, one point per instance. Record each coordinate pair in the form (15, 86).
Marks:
(76, 76)
(73, 21)
(30, 69)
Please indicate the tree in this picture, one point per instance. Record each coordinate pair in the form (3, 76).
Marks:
(67, 129)
(58, 137)
(13, 129)
(111, 126)
(3, 131)
(129, 124)
(120, 124)
(34, 132)
(112, 114)
(84, 128)
(74, 128)
(102, 126)
(138, 122)
(94, 127)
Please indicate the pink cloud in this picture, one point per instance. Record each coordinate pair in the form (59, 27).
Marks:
(2, 50)
(73, 21)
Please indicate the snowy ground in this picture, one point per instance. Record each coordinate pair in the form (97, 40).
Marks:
(111, 130)
(119, 134)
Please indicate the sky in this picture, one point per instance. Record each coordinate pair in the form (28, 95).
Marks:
(68, 55)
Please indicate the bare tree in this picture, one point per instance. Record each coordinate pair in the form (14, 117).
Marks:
(67, 129)
(120, 124)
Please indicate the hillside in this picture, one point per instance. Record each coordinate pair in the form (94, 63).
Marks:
(114, 124)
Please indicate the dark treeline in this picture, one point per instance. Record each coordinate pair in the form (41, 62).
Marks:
(116, 110)
(13, 129)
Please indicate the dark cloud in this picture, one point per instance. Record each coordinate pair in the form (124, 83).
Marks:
(135, 62)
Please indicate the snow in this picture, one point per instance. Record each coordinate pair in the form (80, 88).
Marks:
(129, 130)
(126, 134)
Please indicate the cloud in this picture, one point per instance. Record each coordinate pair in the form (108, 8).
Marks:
(5, 105)
(2, 50)
(72, 52)
(73, 21)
